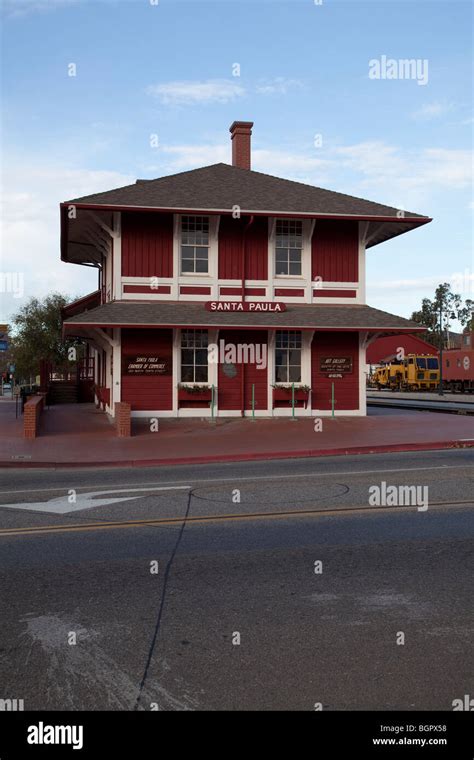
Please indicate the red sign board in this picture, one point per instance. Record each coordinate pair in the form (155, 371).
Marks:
(336, 364)
(135, 364)
(273, 307)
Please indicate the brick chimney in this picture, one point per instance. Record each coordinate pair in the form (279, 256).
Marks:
(241, 132)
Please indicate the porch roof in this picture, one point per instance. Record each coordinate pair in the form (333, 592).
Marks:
(146, 314)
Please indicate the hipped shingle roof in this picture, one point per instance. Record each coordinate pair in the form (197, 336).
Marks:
(193, 314)
(220, 187)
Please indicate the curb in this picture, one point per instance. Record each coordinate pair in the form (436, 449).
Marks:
(260, 456)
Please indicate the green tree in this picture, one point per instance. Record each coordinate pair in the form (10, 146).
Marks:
(436, 314)
(37, 335)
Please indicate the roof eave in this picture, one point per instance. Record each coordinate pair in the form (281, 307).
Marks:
(245, 212)
(205, 325)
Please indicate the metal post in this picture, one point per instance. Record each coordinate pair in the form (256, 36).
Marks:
(212, 402)
(253, 401)
(292, 401)
(332, 399)
(440, 388)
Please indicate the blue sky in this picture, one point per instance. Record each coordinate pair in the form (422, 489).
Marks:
(167, 69)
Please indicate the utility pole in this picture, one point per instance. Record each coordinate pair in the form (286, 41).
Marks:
(440, 389)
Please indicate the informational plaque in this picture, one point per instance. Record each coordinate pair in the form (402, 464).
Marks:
(139, 364)
(337, 365)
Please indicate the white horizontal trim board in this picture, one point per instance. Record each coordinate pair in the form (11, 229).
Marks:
(261, 413)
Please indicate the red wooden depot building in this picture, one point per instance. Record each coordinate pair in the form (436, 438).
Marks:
(218, 284)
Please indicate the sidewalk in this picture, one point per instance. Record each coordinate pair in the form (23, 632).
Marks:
(76, 435)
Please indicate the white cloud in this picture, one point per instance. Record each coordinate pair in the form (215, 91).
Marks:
(433, 110)
(16, 8)
(419, 283)
(278, 86)
(184, 157)
(404, 179)
(297, 166)
(373, 170)
(191, 93)
(20, 8)
(30, 227)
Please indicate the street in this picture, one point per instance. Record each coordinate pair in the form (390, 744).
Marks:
(257, 586)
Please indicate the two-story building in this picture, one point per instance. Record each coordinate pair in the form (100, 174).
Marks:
(226, 291)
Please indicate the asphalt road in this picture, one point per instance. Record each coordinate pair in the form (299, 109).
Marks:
(236, 547)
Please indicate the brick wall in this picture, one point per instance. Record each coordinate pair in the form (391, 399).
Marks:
(31, 416)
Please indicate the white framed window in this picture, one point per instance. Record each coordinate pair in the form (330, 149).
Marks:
(194, 245)
(288, 247)
(194, 356)
(288, 348)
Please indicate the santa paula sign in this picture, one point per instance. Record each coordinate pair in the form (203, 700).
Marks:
(274, 307)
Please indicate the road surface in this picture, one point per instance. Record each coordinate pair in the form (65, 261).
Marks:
(277, 587)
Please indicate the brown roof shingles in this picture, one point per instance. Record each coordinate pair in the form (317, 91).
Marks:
(194, 314)
(220, 187)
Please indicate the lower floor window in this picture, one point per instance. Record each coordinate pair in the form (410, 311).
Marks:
(194, 356)
(288, 356)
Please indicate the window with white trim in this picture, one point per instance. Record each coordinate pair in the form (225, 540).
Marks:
(194, 356)
(288, 356)
(288, 247)
(194, 245)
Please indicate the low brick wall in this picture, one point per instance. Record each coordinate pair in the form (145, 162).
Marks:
(123, 419)
(31, 415)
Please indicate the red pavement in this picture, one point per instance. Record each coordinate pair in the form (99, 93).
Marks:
(75, 435)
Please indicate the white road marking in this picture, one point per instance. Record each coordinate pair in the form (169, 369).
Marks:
(61, 505)
(236, 479)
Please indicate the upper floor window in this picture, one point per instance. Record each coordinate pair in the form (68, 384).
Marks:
(194, 245)
(288, 356)
(194, 356)
(288, 247)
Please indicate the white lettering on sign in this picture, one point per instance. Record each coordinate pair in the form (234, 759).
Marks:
(255, 306)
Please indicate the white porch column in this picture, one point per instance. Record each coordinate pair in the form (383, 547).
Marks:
(116, 394)
(117, 256)
(362, 377)
(176, 368)
(270, 369)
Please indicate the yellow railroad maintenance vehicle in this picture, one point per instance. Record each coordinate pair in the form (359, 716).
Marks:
(415, 372)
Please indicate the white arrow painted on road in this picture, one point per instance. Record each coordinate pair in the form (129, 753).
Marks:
(61, 505)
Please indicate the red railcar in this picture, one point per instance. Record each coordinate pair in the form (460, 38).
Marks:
(458, 366)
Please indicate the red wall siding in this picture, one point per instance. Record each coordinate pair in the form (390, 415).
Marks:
(382, 348)
(154, 392)
(161, 289)
(193, 290)
(147, 245)
(238, 291)
(346, 390)
(293, 292)
(335, 251)
(230, 388)
(256, 262)
(230, 249)
(321, 293)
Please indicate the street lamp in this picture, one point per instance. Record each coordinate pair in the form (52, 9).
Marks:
(442, 312)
